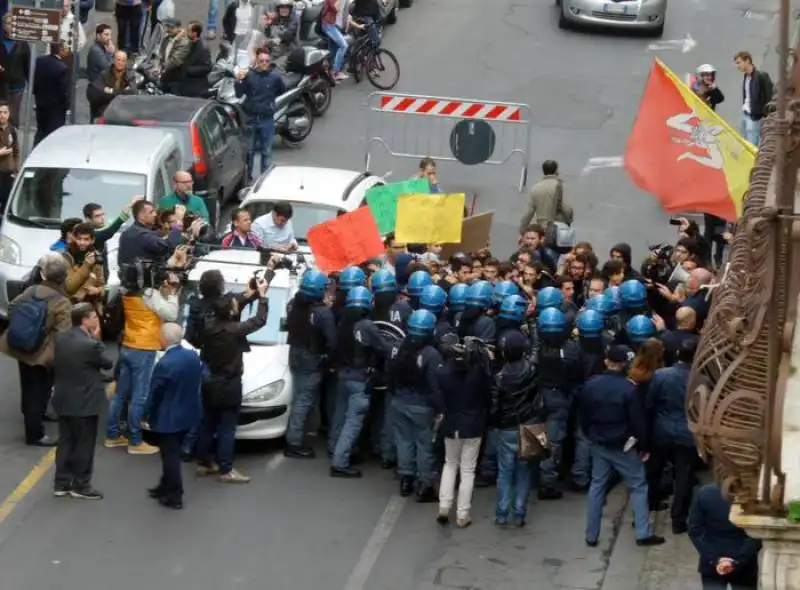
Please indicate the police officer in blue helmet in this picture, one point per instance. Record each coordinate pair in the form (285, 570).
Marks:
(633, 297)
(559, 375)
(475, 320)
(510, 319)
(605, 307)
(548, 298)
(434, 300)
(502, 290)
(359, 345)
(456, 303)
(389, 307)
(638, 329)
(312, 339)
(416, 405)
(613, 317)
(514, 402)
(417, 282)
(350, 277)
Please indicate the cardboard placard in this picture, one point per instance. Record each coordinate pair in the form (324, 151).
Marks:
(476, 232)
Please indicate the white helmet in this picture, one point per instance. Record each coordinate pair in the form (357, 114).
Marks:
(706, 69)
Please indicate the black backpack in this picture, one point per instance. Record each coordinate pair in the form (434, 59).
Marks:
(27, 323)
(113, 320)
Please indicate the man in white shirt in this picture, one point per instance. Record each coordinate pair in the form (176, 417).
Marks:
(275, 229)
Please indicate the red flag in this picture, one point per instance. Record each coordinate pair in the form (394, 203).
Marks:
(350, 239)
(683, 153)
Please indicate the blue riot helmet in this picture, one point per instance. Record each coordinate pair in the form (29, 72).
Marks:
(433, 298)
(417, 282)
(359, 297)
(502, 290)
(352, 277)
(616, 299)
(600, 304)
(639, 328)
(549, 297)
(313, 285)
(590, 323)
(457, 299)
(421, 324)
(552, 321)
(479, 295)
(513, 308)
(633, 294)
(383, 281)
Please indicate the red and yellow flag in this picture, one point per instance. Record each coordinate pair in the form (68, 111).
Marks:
(684, 154)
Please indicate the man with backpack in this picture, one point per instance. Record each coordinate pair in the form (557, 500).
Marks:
(34, 318)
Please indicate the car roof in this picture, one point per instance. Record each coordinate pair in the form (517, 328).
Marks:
(97, 147)
(166, 108)
(309, 184)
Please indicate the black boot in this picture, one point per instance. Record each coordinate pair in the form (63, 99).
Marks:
(550, 494)
(300, 452)
(406, 486)
(426, 495)
(346, 472)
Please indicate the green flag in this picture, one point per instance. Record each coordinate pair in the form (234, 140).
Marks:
(382, 200)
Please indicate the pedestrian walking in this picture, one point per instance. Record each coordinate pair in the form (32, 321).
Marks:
(79, 397)
(173, 409)
(547, 205)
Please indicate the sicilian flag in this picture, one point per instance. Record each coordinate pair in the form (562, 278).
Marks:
(684, 154)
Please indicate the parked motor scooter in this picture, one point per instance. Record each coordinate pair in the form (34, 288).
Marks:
(309, 68)
(146, 76)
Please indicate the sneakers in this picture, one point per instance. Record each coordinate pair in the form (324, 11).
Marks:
(113, 443)
(206, 470)
(86, 494)
(233, 476)
(340, 77)
(463, 522)
(142, 449)
(211, 35)
(61, 491)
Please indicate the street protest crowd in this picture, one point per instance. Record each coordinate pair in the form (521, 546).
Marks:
(560, 368)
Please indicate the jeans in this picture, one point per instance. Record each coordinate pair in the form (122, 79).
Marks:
(630, 467)
(170, 485)
(222, 423)
(514, 478)
(460, 456)
(335, 35)
(213, 9)
(306, 393)
(582, 462)
(413, 437)
(189, 443)
(351, 414)
(260, 135)
(136, 368)
(488, 465)
(129, 27)
(557, 404)
(381, 436)
(750, 130)
(372, 30)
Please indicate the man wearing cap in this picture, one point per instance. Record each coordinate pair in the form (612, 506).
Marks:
(172, 53)
(614, 422)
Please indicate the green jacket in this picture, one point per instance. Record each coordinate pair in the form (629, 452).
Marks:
(193, 204)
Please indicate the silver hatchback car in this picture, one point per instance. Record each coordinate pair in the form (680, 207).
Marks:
(641, 15)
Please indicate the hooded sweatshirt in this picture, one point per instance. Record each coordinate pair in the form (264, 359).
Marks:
(625, 250)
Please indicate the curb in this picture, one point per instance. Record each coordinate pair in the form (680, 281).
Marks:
(617, 504)
(626, 560)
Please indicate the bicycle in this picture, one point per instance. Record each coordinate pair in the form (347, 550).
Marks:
(367, 59)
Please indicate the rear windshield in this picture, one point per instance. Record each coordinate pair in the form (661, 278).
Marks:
(180, 131)
(46, 196)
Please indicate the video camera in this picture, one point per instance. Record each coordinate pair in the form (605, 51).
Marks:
(148, 274)
(658, 266)
(189, 219)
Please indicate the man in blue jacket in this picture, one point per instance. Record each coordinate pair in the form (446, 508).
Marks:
(727, 554)
(174, 407)
(614, 422)
(260, 86)
(672, 441)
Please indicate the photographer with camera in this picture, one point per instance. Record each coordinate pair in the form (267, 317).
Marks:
(182, 184)
(224, 345)
(142, 241)
(85, 277)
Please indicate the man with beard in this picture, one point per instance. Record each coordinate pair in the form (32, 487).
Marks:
(141, 241)
(622, 252)
(85, 279)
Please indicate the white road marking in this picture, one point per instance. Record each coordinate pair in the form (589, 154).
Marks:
(274, 462)
(685, 45)
(377, 541)
(608, 162)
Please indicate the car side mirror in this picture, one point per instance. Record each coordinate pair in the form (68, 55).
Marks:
(243, 193)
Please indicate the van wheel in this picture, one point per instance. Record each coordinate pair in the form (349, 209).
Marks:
(391, 18)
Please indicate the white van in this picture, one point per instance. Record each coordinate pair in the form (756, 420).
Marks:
(76, 165)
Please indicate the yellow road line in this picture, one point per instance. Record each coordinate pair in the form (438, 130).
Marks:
(26, 485)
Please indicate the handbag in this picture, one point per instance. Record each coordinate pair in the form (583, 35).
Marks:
(532, 443)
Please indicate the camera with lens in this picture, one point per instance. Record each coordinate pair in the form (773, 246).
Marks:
(98, 258)
(189, 219)
(148, 274)
(658, 266)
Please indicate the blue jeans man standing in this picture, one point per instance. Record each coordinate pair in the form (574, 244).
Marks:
(352, 405)
(557, 404)
(514, 480)
(260, 136)
(133, 386)
(413, 435)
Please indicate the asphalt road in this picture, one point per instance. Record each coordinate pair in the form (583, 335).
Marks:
(294, 528)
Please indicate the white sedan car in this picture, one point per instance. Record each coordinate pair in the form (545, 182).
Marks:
(647, 16)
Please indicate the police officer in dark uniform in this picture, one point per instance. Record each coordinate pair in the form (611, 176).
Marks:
(416, 404)
(502, 290)
(613, 317)
(312, 338)
(359, 342)
(510, 320)
(548, 298)
(434, 300)
(633, 296)
(388, 307)
(456, 303)
(590, 325)
(638, 329)
(417, 282)
(559, 373)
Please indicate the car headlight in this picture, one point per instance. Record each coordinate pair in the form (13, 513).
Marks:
(266, 393)
(9, 251)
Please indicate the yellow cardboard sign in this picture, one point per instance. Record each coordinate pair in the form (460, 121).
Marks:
(424, 219)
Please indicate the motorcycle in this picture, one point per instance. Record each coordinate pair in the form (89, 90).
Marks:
(146, 76)
(309, 68)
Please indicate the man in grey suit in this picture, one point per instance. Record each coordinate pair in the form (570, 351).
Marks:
(79, 398)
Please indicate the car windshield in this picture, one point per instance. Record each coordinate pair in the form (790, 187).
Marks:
(304, 215)
(46, 196)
